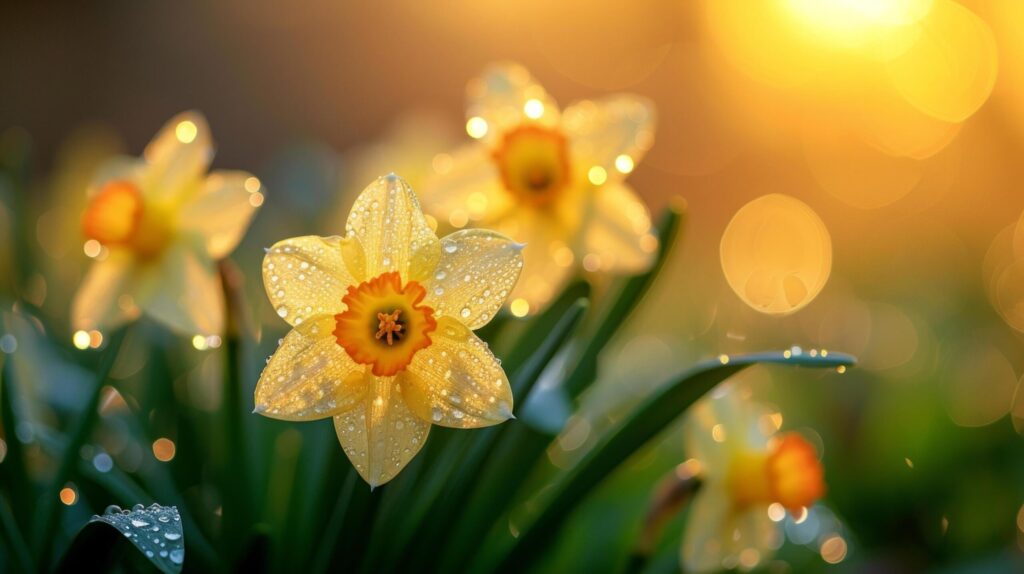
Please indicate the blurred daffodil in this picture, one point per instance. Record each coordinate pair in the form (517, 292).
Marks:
(751, 478)
(383, 329)
(155, 226)
(550, 178)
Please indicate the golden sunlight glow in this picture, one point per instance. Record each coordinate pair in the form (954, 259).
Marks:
(833, 549)
(776, 254)
(476, 127)
(520, 308)
(199, 342)
(186, 131)
(80, 339)
(776, 512)
(624, 163)
(68, 495)
(533, 108)
(92, 248)
(252, 184)
(879, 27)
(164, 449)
(597, 175)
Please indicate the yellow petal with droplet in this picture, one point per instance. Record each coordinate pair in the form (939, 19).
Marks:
(477, 271)
(457, 381)
(380, 435)
(307, 276)
(310, 376)
(395, 236)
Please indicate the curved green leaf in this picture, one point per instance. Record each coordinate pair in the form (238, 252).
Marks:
(155, 532)
(645, 422)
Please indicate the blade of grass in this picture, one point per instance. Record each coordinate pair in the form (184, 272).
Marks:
(49, 510)
(15, 474)
(628, 298)
(15, 542)
(643, 424)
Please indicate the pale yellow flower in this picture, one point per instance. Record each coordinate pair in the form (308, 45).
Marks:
(549, 178)
(383, 323)
(751, 477)
(156, 225)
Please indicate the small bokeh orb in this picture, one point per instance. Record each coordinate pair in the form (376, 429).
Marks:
(776, 254)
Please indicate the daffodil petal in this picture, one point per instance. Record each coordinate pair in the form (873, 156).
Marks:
(380, 435)
(548, 256)
(98, 303)
(470, 189)
(456, 381)
(477, 271)
(182, 289)
(505, 95)
(705, 540)
(178, 157)
(756, 531)
(310, 376)
(389, 224)
(307, 276)
(719, 425)
(618, 230)
(119, 168)
(603, 131)
(221, 212)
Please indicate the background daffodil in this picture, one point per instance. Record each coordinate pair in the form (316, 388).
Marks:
(156, 225)
(751, 477)
(552, 179)
(383, 323)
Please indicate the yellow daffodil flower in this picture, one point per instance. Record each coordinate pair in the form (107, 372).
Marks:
(551, 179)
(751, 477)
(156, 225)
(383, 323)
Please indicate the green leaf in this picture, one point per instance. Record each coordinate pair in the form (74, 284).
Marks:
(155, 532)
(628, 297)
(656, 413)
(450, 480)
(537, 329)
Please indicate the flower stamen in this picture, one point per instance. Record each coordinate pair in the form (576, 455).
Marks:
(389, 326)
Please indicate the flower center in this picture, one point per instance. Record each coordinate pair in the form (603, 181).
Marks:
(534, 163)
(389, 326)
(384, 324)
(118, 217)
(789, 474)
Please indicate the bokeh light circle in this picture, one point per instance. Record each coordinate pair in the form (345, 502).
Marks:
(776, 254)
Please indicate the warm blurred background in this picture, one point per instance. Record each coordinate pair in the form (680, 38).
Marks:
(900, 123)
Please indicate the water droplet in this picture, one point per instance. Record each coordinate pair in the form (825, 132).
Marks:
(465, 312)
(451, 247)
(139, 523)
(282, 312)
(177, 555)
(172, 535)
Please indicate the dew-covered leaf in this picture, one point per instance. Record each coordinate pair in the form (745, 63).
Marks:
(155, 532)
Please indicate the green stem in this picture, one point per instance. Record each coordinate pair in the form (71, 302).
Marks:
(49, 509)
(235, 475)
